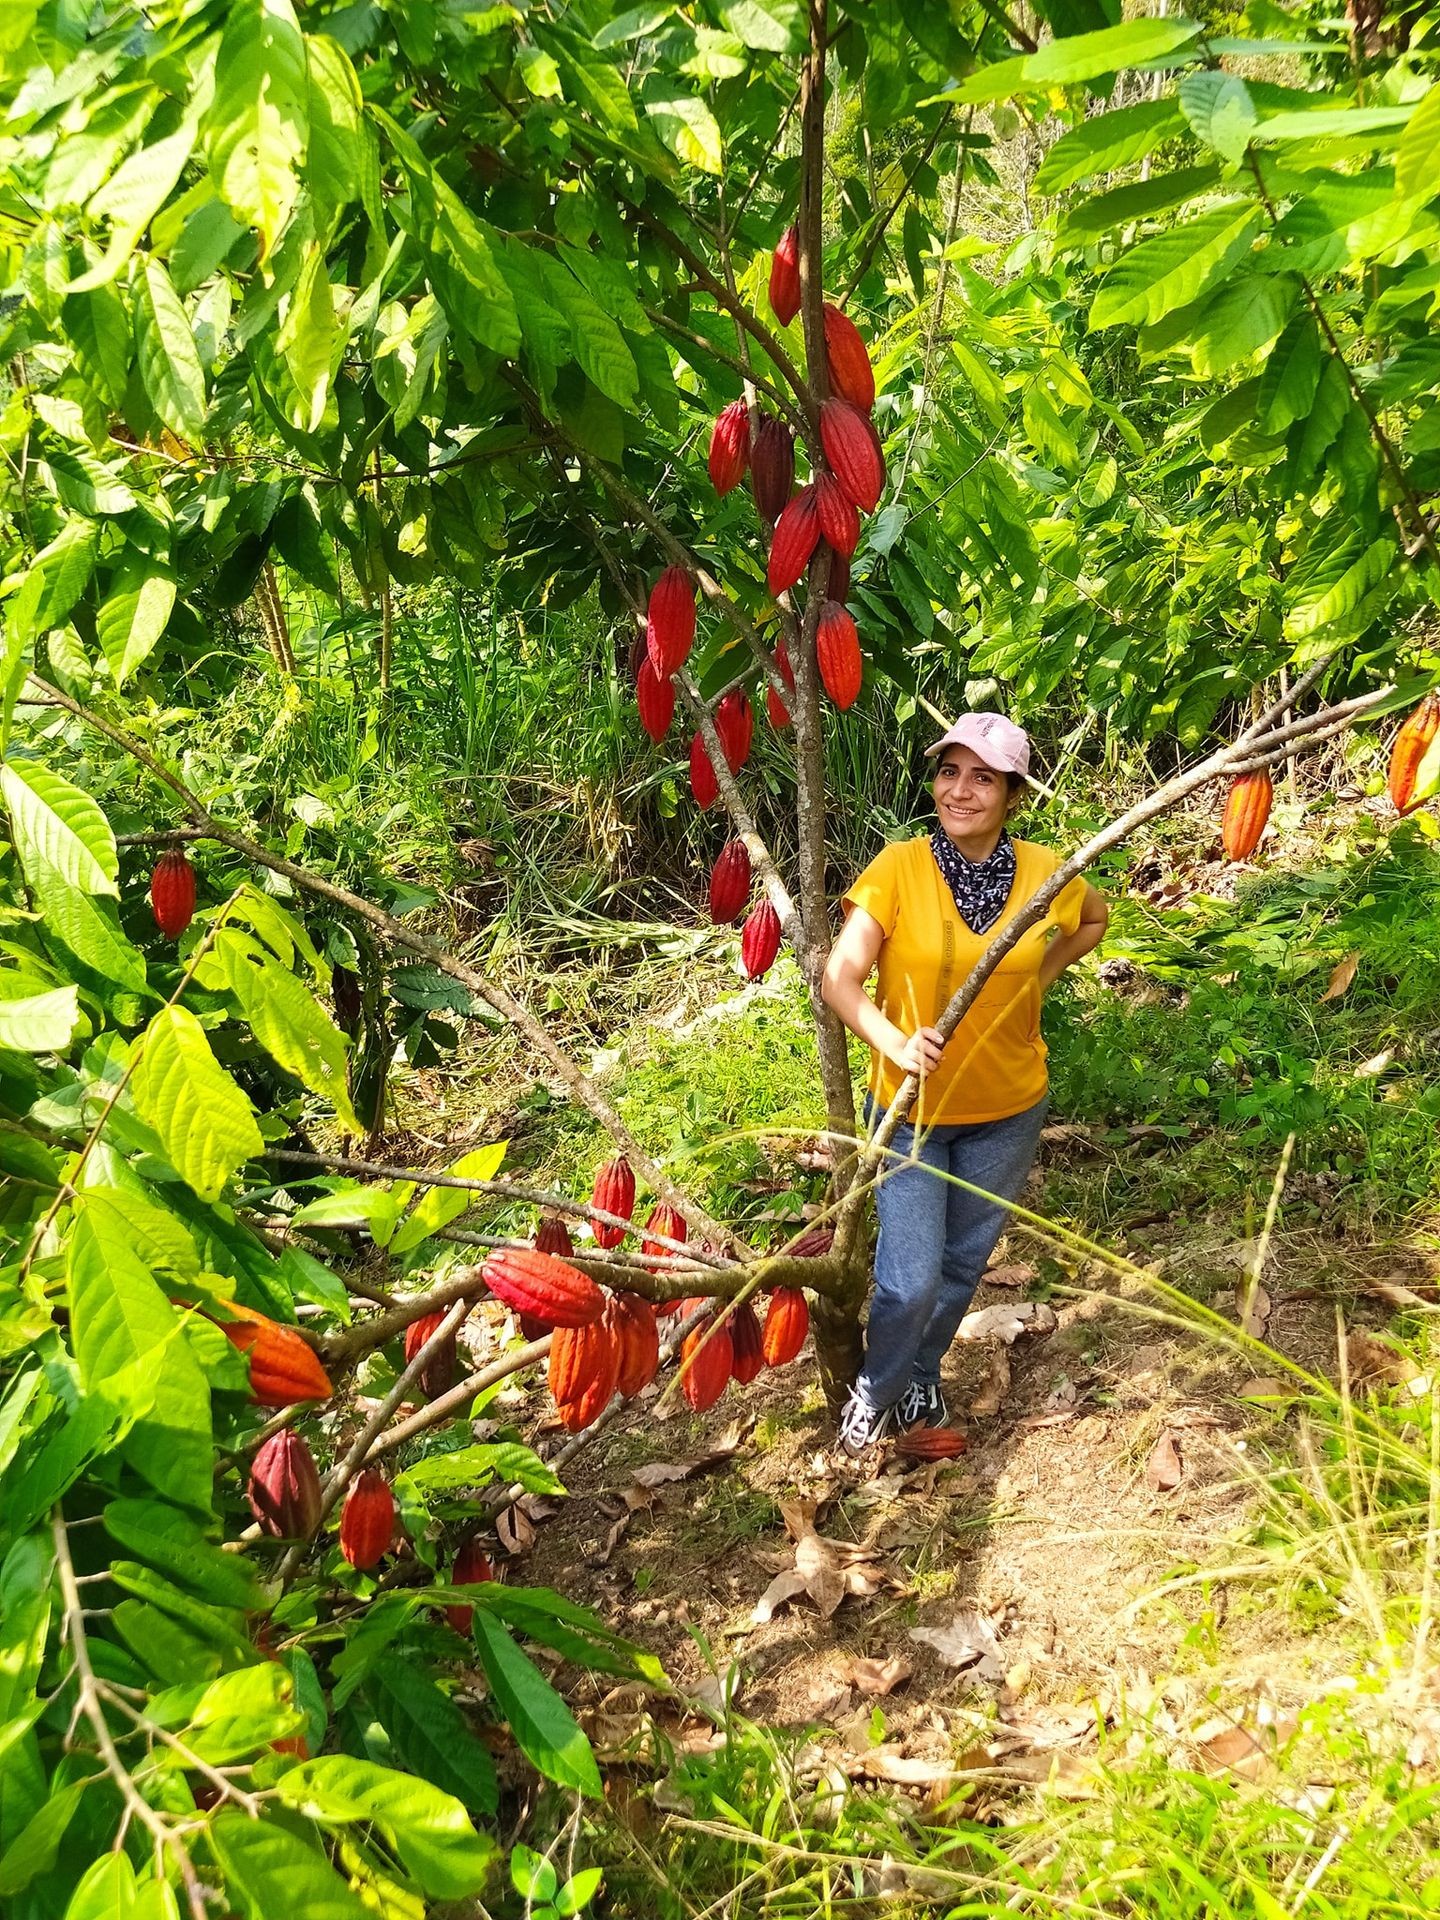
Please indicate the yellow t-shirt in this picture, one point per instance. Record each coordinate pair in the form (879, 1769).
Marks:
(994, 1065)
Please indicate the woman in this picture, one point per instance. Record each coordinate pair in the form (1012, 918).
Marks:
(920, 916)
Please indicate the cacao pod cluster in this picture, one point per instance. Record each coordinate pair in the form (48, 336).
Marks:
(284, 1495)
(737, 1346)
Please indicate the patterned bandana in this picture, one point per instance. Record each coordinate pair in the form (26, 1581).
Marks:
(981, 887)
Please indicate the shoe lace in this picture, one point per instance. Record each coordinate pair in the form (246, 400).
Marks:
(859, 1421)
(918, 1400)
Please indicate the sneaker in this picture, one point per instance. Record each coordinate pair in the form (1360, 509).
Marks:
(922, 1405)
(861, 1425)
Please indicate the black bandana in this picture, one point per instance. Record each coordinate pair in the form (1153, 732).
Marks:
(980, 887)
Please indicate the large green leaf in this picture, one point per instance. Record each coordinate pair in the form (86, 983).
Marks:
(134, 614)
(1108, 141)
(1419, 152)
(270, 1871)
(205, 1122)
(35, 1848)
(1174, 268)
(171, 1541)
(429, 1734)
(287, 1020)
(257, 126)
(1077, 57)
(438, 1206)
(37, 1022)
(1220, 111)
(132, 197)
(1292, 373)
(430, 1830)
(58, 829)
(25, 1602)
(543, 1726)
(338, 136)
(169, 364)
(58, 575)
(1337, 571)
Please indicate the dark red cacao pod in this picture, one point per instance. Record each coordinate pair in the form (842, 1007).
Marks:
(851, 375)
(852, 447)
(931, 1443)
(812, 1244)
(785, 277)
(637, 1342)
(584, 1366)
(438, 1374)
(1247, 808)
(838, 586)
(730, 447)
(703, 785)
(772, 468)
(664, 1220)
(670, 621)
(656, 700)
(705, 1362)
(347, 999)
(614, 1192)
(837, 651)
(796, 535)
(284, 1488)
(759, 941)
(283, 1369)
(367, 1520)
(471, 1567)
(735, 724)
(549, 1290)
(747, 1360)
(172, 894)
(838, 517)
(787, 1321)
(730, 880)
(1412, 743)
(553, 1236)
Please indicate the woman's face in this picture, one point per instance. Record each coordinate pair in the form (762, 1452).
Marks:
(971, 799)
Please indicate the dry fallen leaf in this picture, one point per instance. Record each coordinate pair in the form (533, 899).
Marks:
(1224, 1746)
(824, 1569)
(1342, 976)
(1018, 1274)
(1007, 1323)
(515, 1530)
(1266, 1387)
(1163, 1470)
(1376, 1064)
(659, 1473)
(969, 1641)
(1375, 1363)
(1395, 1294)
(991, 1397)
(1253, 1304)
(876, 1677)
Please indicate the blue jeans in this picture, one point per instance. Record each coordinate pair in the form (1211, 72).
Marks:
(936, 1240)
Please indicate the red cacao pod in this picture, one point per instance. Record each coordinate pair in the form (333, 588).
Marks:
(838, 586)
(776, 708)
(785, 277)
(1411, 745)
(839, 520)
(704, 787)
(747, 1361)
(735, 724)
(931, 1443)
(172, 894)
(759, 941)
(584, 1366)
(283, 1369)
(553, 1236)
(656, 700)
(284, 1488)
(549, 1290)
(664, 1220)
(670, 621)
(705, 1362)
(772, 468)
(730, 447)
(730, 884)
(1247, 808)
(614, 1192)
(471, 1567)
(438, 1374)
(812, 1244)
(852, 447)
(795, 539)
(837, 650)
(367, 1520)
(787, 1321)
(637, 1342)
(851, 375)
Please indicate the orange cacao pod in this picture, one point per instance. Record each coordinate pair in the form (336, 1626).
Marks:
(735, 724)
(839, 520)
(664, 1220)
(438, 1374)
(851, 374)
(284, 1488)
(705, 1362)
(549, 1290)
(283, 1369)
(772, 468)
(931, 1443)
(656, 700)
(637, 1342)
(730, 884)
(787, 1321)
(1411, 745)
(614, 1192)
(747, 1359)
(367, 1520)
(759, 941)
(670, 621)
(703, 785)
(730, 447)
(837, 649)
(795, 539)
(1247, 808)
(584, 1366)
(852, 447)
(785, 277)
(471, 1567)
(172, 894)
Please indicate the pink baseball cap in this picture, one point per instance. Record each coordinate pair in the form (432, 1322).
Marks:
(998, 742)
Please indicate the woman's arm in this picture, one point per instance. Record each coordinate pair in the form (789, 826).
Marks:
(852, 961)
(1067, 948)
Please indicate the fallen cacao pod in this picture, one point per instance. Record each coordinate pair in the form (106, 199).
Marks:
(852, 447)
(549, 1290)
(1412, 743)
(759, 941)
(1247, 808)
(656, 700)
(614, 1192)
(838, 517)
(367, 1520)
(670, 621)
(664, 1220)
(729, 447)
(796, 536)
(705, 1362)
(730, 879)
(284, 1488)
(837, 651)
(283, 1369)
(172, 894)
(437, 1376)
(704, 787)
(471, 1567)
(851, 374)
(772, 468)
(584, 1366)
(735, 724)
(637, 1342)
(785, 277)
(747, 1351)
(787, 1321)
(931, 1443)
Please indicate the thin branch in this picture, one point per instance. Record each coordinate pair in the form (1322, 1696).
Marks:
(780, 400)
(882, 224)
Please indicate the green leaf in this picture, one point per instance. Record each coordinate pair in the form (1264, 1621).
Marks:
(257, 126)
(1097, 483)
(1220, 112)
(1076, 57)
(430, 1830)
(58, 829)
(438, 1206)
(637, 24)
(984, 384)
(1238, 321)
(1174, 268)
(478, 1466)
(1419, 152)
(170, 367)
(1364, 126)
(686, 125)
(370, 1207)
(272, 1872)
(37, 1022)
(165, 1538)
(87, 930)
(1108, 141)
(1292, 373)
(99, 332)
(1330, 581)
(25, 1601)
(35, 1848)
(205, 1123)
(429, 1734)
(132, 197)
(769, 26)
(532, 1875)
(58, 575)
(539, 73)
(234, 1715)
(134, 614)
(578, 1891)
(287, 1020)
(338, 136)
(543, 1726)
(106, 1891)
(1142, 201)
(308, 338)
